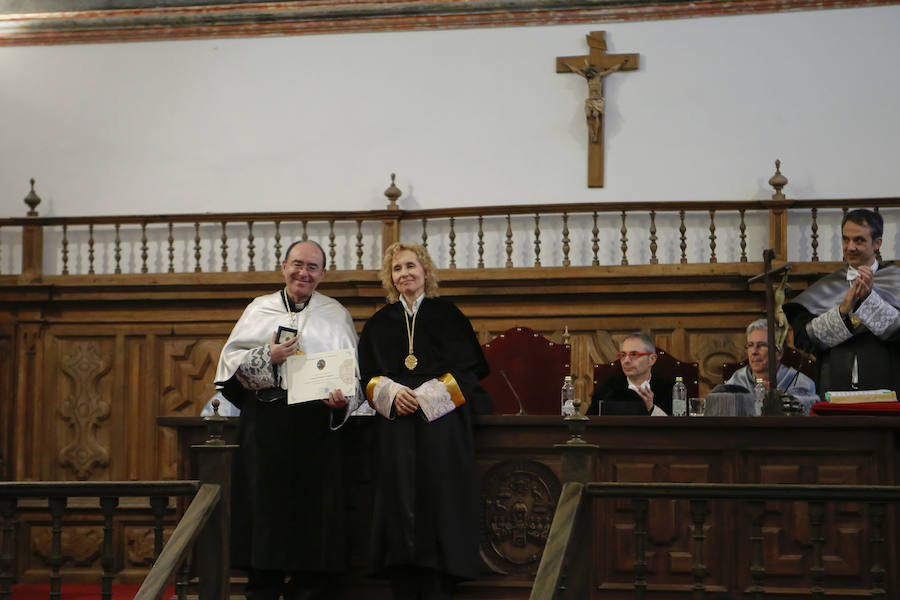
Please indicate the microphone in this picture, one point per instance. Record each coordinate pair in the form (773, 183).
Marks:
(515, 395)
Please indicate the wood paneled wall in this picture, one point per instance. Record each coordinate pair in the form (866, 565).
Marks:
(88, 365)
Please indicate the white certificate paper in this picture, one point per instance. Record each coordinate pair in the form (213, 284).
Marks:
(312, 376)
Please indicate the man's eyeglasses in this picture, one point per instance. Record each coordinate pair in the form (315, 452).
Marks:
(758, 345)
(632, 355)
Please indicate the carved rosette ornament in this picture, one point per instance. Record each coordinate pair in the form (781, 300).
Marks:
(519, 498)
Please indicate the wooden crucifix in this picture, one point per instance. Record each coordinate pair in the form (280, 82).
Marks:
(773, 310)
(594, 67)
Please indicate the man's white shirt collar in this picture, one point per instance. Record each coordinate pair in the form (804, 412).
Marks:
(636, 388)
(415, 307)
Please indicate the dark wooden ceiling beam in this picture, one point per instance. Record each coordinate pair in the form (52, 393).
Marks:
(94, 21)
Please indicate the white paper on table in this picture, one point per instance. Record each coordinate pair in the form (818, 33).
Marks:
(312, 376)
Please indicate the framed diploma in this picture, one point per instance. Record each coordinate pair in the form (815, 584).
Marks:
(312, 376)
(284, 334)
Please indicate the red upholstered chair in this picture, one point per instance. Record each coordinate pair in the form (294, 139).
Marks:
(666, 366)
(535, 368)
(805, 363)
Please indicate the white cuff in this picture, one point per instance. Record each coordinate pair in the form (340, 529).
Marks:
(383, 396)
(880, 317)
(828, 329)
(256, 370)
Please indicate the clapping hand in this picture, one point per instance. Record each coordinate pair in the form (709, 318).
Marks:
(859, 290)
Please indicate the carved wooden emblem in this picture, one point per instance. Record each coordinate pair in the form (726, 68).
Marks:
(518, 501)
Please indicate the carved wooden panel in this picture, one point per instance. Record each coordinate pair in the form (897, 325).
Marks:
(187, 368)
(79, 399)
(669, 551)
(518, 502)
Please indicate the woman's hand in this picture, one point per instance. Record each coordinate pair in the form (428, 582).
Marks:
(280, 352)
(405, 402)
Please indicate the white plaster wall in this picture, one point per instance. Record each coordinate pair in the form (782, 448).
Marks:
(464, 117)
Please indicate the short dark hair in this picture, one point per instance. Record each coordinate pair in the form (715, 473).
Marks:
(645, 339)
(313, 242)
(868, 218)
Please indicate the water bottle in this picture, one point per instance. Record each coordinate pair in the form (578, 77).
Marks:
(567, 397)
(679, 398)
(759, 395)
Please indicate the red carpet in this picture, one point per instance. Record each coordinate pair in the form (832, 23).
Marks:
(75, 592)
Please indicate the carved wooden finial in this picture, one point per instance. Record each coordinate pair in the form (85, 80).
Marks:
(393, 193)
(566, 335)
(778, 181)
(32, 200)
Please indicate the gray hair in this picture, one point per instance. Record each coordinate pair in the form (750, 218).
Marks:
(646, 340)
(762, 324)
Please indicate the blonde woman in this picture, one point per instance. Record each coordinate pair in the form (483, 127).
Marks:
(421, 363)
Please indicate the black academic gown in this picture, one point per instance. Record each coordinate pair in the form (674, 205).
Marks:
(426, 497)
(618, 399)
(287, 501)
(878, 360)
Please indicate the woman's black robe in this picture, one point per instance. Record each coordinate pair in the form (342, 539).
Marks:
(427, 493)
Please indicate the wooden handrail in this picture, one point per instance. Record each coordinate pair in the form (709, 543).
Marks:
(181, 542)
(547, 579)
(96, 489)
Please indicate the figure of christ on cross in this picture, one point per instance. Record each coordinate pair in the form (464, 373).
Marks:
(597, 65)
(593, 106)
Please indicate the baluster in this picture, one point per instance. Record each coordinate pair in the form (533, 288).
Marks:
(509, 242)
(757, 567)
(624, 231)
(480, 242)
(682, 230)
(108, 506)
(565, 240)
(1, 250)
(743, 229)
(359, 244)
(251, 248)
(277, 245)
(57, 508)
(699, 512)
(65, 250)
(452, 245)
(876, 539)
(595, 246)
(331, 244)
(817, 538)
(639, 508)
(197, 268)
(158, 508)
(145, 251)
(537, 240)
(712, 236)
(425, 233)
(117, 251)
(224, 247)
(171, 241)
(814, 236)
(90, 249)
(7, 511)
(183, 578)
(844, 212)
(653, 246)
(303, 237)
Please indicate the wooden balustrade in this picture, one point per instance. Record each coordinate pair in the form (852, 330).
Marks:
(566, 569)
(566, 235)
(205, 522)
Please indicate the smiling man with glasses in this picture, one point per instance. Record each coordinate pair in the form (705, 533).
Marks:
(788, 379)
(634, 391)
